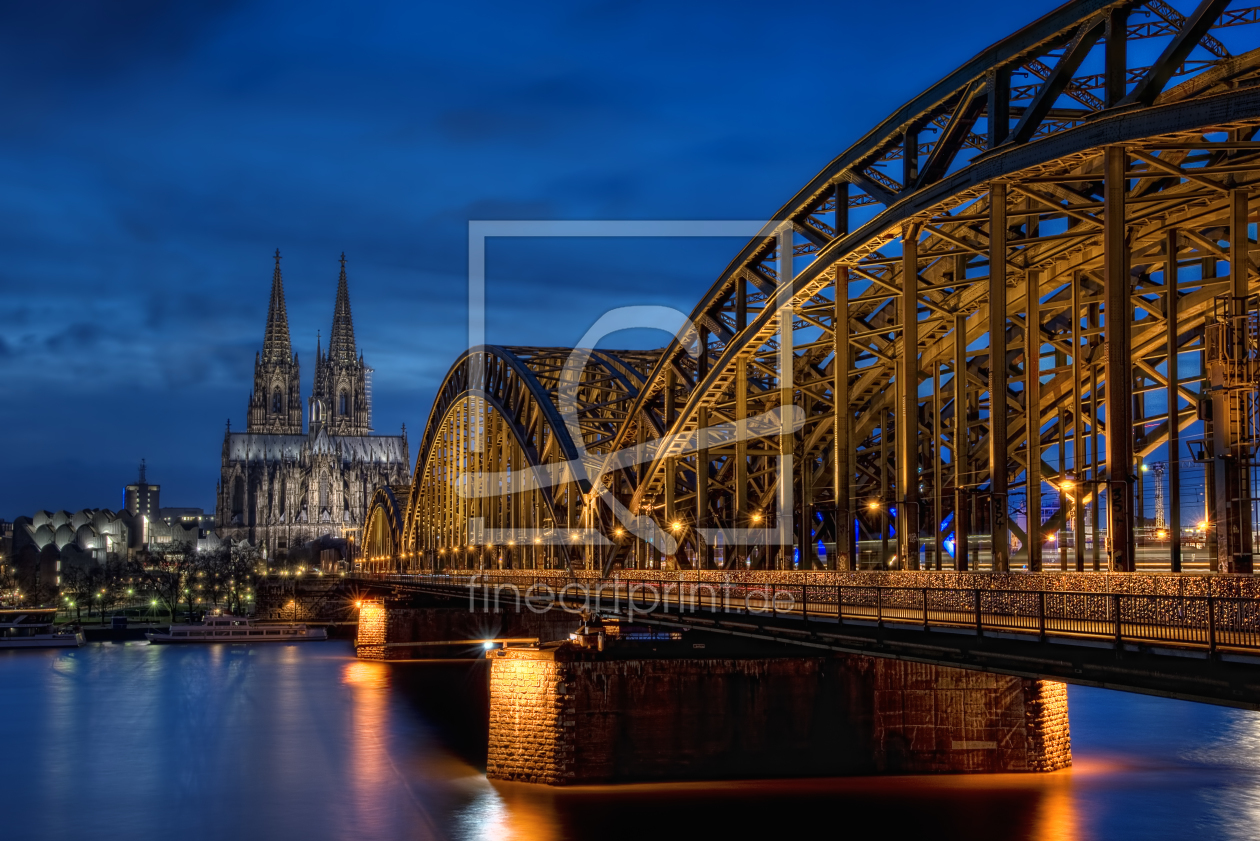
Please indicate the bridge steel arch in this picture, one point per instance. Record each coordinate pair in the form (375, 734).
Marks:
(381, 547)
(922, 242)
(984, 295)
(498, 477)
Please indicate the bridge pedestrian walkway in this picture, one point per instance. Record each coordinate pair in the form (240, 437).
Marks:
(1207, 625)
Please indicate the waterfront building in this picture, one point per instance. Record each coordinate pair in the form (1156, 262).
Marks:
(280, 487)
(142, 499)
(174, 526)
(186, 516)
(94, 532)
(47, 543)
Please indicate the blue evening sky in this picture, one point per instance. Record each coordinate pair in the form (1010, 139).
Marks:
(153, 155)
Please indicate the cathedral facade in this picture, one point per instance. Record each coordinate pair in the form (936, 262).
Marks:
(281, 487)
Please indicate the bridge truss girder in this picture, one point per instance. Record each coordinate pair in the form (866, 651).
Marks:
(499, 471)
(1179, 160)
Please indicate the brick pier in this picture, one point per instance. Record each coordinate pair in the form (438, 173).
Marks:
(566, 715)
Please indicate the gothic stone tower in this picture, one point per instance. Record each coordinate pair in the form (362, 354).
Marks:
(275, 405)
(280, 488)
(341, 401)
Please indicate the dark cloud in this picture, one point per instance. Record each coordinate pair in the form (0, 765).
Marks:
(78, 337)
(86, 42)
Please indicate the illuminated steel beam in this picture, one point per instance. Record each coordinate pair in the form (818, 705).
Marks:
(1119, 403)
(998, 388)
(909, 515)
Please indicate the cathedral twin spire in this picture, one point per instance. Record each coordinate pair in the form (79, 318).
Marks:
(340, 401)
(341, 342)
(276, 346)
(275, 405)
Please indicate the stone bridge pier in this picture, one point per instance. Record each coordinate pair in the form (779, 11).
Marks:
(568, 715)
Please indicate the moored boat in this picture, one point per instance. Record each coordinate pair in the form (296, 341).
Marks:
(32, 627)
(236, 629)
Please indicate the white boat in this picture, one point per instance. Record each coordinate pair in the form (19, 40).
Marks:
(32, 627)
(233, 629)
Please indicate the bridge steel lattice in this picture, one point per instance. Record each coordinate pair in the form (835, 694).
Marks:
(497, 454)
(985, 293)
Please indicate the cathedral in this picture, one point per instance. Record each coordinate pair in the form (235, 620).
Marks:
(280, 487)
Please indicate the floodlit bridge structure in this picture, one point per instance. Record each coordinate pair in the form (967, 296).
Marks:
(960, 345)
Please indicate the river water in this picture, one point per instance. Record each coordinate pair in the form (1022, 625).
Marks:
(303, 741)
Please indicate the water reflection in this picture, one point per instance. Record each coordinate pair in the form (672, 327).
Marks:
(304, 741)
(507, 811)
(943, 807)
(1237, 796)
(1056, 816)
(370, 765)
(485, 818)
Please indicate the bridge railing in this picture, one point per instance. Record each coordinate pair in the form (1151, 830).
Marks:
(1202, 622)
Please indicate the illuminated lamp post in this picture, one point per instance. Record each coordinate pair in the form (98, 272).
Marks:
(757, 518)
(1069, 485)
(677, 528)
(875, 506)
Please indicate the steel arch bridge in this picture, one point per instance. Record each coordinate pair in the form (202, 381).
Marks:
(383, 527)
(983, 293)
(498, 465)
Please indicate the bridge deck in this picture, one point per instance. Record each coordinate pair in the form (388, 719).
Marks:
(1204, 648)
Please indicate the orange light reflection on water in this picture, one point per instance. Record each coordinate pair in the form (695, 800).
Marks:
(1057, 818)
(525, 812)
(369, 762)
(518, 812)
